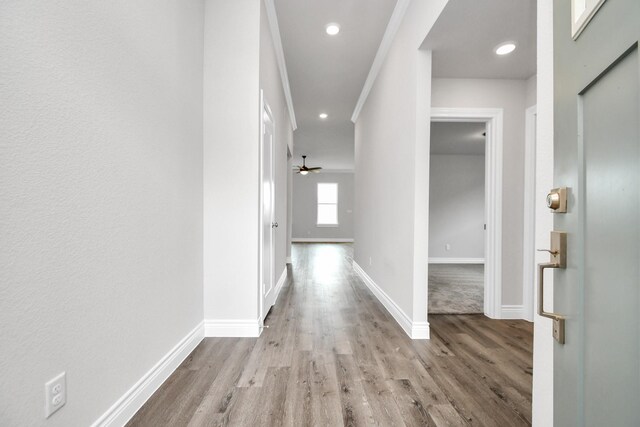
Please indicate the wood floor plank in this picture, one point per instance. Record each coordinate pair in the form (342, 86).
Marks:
(273, 397)
(325, 393)
(356, 409)
(333, 356)
(298, 409)
(413, 410)
(383, 406)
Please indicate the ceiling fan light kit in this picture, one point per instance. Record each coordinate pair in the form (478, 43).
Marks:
(304, 170)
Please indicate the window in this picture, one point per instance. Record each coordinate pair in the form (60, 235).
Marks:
(327, 204)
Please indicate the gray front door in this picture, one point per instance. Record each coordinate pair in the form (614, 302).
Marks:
(597, 155)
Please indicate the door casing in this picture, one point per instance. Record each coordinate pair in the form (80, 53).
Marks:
(529, 232)
(493, 117)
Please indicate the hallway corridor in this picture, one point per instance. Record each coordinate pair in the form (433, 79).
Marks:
(333, 356)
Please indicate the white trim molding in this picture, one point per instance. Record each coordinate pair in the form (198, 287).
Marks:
(281, 282)
(456, 260)
(272, 17)
(289, 261)
(392, 28)
(415, 330)
(130, 402)
(493, 117)
(581, 14)
(529, 232)
(233, 328)
(512, 312)
(320, 240)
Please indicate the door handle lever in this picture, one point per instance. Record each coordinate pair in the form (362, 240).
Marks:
(558, 257)
(554, 252)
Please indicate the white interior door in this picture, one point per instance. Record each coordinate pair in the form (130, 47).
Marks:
(268, 223)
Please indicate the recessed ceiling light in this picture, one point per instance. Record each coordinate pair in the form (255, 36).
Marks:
(332, 29)
(323, 115)
(505, 48)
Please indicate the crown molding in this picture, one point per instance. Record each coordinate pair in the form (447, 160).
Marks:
(272, 17)
(383, 49)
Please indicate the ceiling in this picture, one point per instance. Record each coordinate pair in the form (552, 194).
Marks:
(326, 73)
(465, 35)
(457, 138)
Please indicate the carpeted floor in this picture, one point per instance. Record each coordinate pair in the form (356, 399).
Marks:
(456, 288)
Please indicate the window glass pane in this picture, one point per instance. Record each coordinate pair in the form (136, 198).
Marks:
(327, 193)
(327, 214)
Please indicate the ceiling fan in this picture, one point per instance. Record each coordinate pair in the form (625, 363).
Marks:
(303, 170)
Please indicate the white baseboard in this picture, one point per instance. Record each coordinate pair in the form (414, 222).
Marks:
(320, 240)
(456, 260)
(236, 328)
(512, 312)
(415, 330)
(126, 407)
(420, 331)
(281, 282)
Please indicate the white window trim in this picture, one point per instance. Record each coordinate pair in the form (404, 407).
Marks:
(337, 223)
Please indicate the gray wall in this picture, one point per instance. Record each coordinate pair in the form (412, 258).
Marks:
(305, 208)
(456, 206)
(511, 96)
(100, 198)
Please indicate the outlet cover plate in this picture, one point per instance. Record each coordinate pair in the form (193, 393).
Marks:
(55, 391)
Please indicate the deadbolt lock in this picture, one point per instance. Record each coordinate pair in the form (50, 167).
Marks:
(557, 200)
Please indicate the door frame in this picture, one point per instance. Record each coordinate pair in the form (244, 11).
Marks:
(529, 231)
(493, 117)
(265, 109)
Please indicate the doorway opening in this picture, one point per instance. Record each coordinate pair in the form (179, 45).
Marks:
(456, 218)
(474, 258)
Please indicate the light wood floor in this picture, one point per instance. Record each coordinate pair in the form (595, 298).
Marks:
(333, 356)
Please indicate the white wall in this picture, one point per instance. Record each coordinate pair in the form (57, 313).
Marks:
(456, 206)
(100, 198)
(231, 158)
(510, 95)
(305, 206)
(392, 167)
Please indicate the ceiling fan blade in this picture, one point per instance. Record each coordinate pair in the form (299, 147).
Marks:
(314, 169)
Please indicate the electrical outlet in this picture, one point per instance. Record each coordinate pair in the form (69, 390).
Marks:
(370, 262)
(55, 392)
(447, 247)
